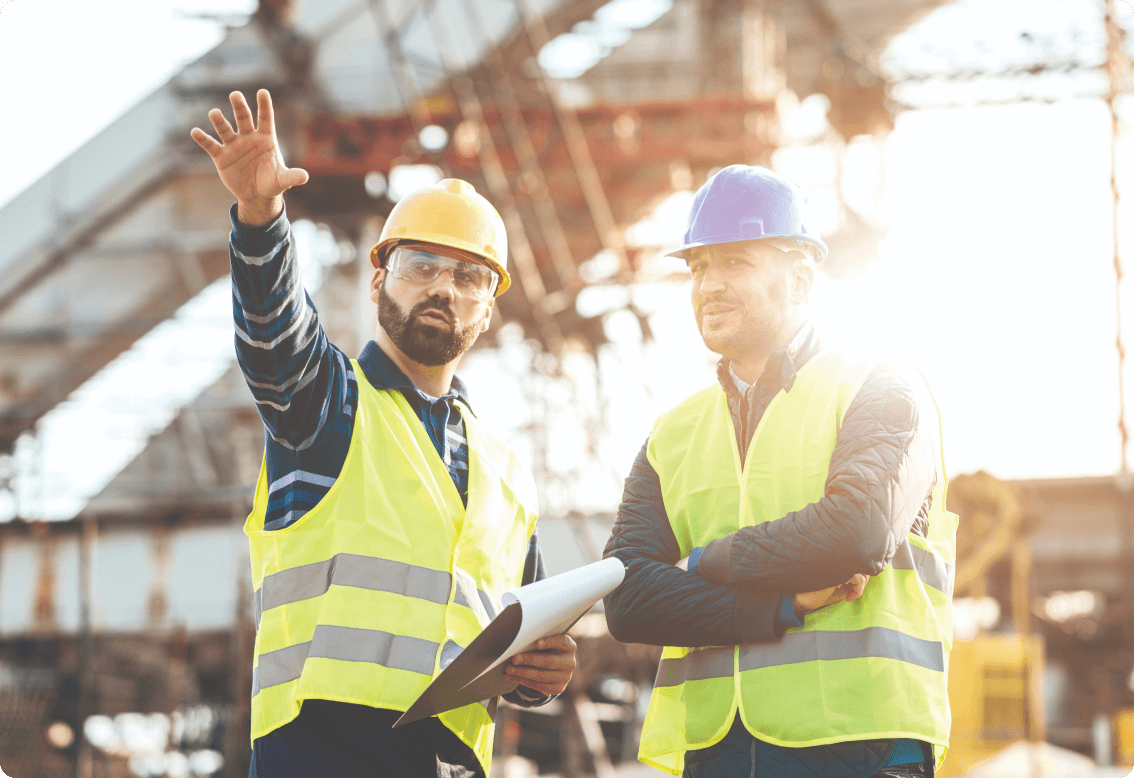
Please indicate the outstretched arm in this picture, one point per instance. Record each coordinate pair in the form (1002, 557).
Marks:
(882, 473)
(298, 379)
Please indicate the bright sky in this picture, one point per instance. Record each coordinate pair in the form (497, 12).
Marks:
(995, 278)
(997, 281)
(68, 68)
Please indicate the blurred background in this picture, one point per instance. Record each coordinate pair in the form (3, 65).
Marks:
(967, 161)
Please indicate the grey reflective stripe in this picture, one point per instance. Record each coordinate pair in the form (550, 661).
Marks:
(258, 605)
(348, 644)
(280, 666)
(474, 598)
(698, 665)
(370, 645)
(930, 567)
(449, 652)
(489, 606)
(811, 645)
(799, 647)
(363, 572)
(467, 592)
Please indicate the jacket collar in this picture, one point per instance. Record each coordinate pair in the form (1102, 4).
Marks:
(383, 373)
(783, 363)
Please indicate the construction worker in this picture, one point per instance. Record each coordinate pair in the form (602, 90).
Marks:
(387, 520)
(784, 531)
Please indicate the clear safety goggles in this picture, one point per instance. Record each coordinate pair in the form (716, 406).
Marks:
(418, 266)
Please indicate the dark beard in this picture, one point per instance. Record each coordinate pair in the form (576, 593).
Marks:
(423, 343)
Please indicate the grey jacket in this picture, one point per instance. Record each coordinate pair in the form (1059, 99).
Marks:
(879, 486)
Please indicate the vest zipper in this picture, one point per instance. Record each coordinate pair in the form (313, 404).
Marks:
(752, 756)
(748, 421)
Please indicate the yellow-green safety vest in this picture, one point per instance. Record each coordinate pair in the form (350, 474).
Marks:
(370, 594)
(872, 668)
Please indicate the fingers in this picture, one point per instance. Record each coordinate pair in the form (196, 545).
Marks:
(205, 141)
(821, 598)
(561, 642)
(549, 682)
(243, 116)
(554, 651)
(221, 125)
(531, 676)
(241, 112)
(265, 116)
(553, 656)
(548, 670)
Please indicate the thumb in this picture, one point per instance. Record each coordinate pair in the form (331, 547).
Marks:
(295, 176)
(856, 585)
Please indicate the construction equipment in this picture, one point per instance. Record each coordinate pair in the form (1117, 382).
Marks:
(995, 680)
(995, 696)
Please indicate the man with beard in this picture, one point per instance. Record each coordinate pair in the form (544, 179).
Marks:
(387, 521)
(784, 530)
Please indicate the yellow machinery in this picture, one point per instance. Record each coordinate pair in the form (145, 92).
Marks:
(995, 680)
(995, 695)
(1124, 736)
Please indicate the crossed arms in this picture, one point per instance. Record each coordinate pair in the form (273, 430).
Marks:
(882, 473)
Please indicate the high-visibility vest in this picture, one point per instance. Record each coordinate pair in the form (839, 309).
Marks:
(370, 594)
(872, 668)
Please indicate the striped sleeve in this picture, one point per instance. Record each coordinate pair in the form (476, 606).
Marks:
(297, 378)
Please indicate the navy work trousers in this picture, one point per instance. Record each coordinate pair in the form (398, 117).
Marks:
(339, 740)
(740, 755)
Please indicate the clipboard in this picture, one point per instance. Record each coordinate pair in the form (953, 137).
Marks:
(547, 607)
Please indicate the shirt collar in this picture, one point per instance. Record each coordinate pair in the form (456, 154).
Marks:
(741, 385)
(782, 366)
(383, 373)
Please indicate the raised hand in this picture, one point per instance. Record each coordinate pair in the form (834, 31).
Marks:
(248, 158)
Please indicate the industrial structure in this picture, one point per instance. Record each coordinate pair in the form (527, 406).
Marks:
(140, 604)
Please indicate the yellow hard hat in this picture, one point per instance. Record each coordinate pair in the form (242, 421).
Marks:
(451, 214)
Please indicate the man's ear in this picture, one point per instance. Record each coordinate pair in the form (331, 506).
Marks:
(803, 276)
(487, 315)
(376, 283)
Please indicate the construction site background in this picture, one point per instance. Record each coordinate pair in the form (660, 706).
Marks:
(125, 602)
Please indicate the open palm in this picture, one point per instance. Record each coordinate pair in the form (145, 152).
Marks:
(248, 158)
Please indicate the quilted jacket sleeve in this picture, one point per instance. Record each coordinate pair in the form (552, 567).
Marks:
(882, 473)
(662, 605)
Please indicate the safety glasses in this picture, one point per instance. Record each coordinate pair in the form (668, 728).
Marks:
(418, 266)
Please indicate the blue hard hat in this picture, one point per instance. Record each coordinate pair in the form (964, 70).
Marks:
(744, 202)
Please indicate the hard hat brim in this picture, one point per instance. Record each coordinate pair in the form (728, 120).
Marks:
(683, 251)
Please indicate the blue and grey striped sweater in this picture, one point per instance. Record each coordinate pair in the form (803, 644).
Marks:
(306, 390)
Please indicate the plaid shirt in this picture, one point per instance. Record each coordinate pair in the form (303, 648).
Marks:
(307, 392)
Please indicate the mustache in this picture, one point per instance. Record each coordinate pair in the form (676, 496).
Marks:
(721, 299)
(435, 305)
